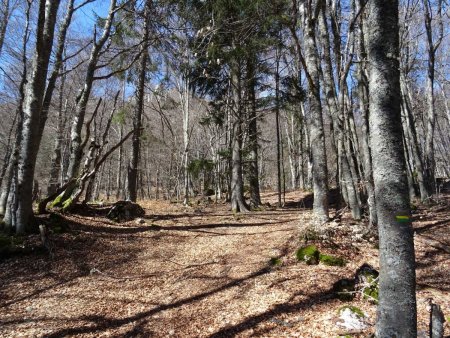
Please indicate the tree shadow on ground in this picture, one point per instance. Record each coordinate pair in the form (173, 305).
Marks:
(102, 323)
(279, 309)
(74, 254)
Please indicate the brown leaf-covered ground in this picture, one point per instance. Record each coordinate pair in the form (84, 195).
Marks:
(202, 272)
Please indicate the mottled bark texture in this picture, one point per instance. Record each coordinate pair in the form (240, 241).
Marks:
(34, 94)
(397, 301)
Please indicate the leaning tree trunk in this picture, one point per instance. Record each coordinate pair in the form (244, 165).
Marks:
(76, 150)
(397, 300)
(34, 94)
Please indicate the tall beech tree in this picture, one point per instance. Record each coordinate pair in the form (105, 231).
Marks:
(139, 108)
(397, 299)
(20, 214)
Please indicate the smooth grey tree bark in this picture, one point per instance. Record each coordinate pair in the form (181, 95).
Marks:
(317, 135)
(397, 300)
(363, 93)
(337, 114)
(9, 178)
(23, 217)
(139, 108)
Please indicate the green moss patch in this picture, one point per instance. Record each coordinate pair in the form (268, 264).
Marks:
(275, 261)
(331, 260)
(357, 311)
(308, 254)
(367, 277)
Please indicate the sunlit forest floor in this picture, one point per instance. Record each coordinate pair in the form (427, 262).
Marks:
(203, 272)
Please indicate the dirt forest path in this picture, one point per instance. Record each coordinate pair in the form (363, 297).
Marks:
(198, 272)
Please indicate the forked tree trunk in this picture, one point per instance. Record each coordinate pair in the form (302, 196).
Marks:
(397, 299)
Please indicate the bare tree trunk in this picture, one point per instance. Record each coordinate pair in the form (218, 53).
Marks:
(319, 156)
(337, 115)
(432, 46)
(55, 166)
(119, 168)
(139, 109)
(4, 19)
(237, 185)
(277, 124)
(364, 109)
(10, 177)
(34, 96)
(253, 176)
(397, 299)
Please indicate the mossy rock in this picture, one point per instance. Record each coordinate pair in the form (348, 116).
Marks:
(308, 254)
(331, 260)
(124, 211)
(357, 311)
(344, 289)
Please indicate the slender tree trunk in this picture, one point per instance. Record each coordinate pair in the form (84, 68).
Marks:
(364, 109)
(186, 111)
(397, 301)
(4, 19)
(411, 131)
(55, 165)
(429, 160)
(319, 155)
(255, 198)
(337, 115)
(277, 124)
(137, 119)
(119, 168)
